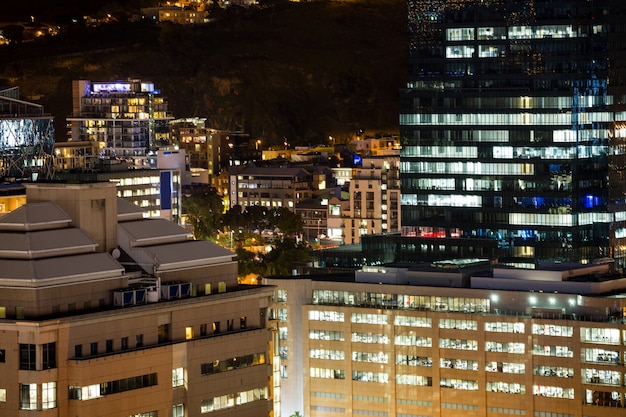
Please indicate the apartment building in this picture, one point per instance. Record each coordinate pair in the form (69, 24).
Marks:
(130, 117)
(104, 312)
(374, 198)
(275, 186)
(202, 144)
(458, 338)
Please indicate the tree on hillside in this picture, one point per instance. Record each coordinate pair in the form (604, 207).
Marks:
(204, 212)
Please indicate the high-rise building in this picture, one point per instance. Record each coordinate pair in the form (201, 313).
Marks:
(26, 138)
(104, 312)
(513, 128)
(130, 117)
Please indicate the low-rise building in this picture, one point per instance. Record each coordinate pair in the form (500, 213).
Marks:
(276, 186)
(176, 15)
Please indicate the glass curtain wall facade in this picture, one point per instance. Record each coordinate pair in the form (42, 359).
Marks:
(513, 128)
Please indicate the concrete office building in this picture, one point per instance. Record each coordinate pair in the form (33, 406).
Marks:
(454, 339)
(512, 131)
(104, 312)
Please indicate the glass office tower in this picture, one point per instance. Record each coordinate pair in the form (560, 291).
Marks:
(513, 129)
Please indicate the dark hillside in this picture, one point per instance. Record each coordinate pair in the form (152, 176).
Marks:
(299, 71)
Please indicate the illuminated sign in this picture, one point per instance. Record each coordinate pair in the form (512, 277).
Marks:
(356, 159)
(110, 87)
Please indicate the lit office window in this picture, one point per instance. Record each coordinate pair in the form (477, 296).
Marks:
(601, 376)
(232, 400)
(371, 357)
(557, 371)
(370, 338)
(48, 395)
(326, 373)
(463, 364)
(553, 392)
(366, 376)
(552, 330)
(505, 367)
(334, 316)
(505, 347)
(323, 335)
(413, 321)
(369, 318)
(461, 344)
(282, 315)
(178, 410)
(600, 335)
(28, 396)
(461, 384)
(506, 387)
(560, 351)
(412, 360)
(335, 355)
(178, 377)
(413, 340)
(458, 324)
(504, 327)
(416, 380)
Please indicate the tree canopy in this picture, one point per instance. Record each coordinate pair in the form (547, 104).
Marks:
(204, 212)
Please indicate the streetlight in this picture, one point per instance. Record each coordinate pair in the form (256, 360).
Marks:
(258, 144)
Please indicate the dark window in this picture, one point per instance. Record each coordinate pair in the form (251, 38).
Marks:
(78, 351)
(124, 343)
(94, 348)
(27, 357)
(203, 329)
(164, 333)
(74, 393)
(2, 356)
(139, 340)
(128, 384)
(109, 345)
(49, 352)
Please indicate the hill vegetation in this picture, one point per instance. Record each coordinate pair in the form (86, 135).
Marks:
(295, 71)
